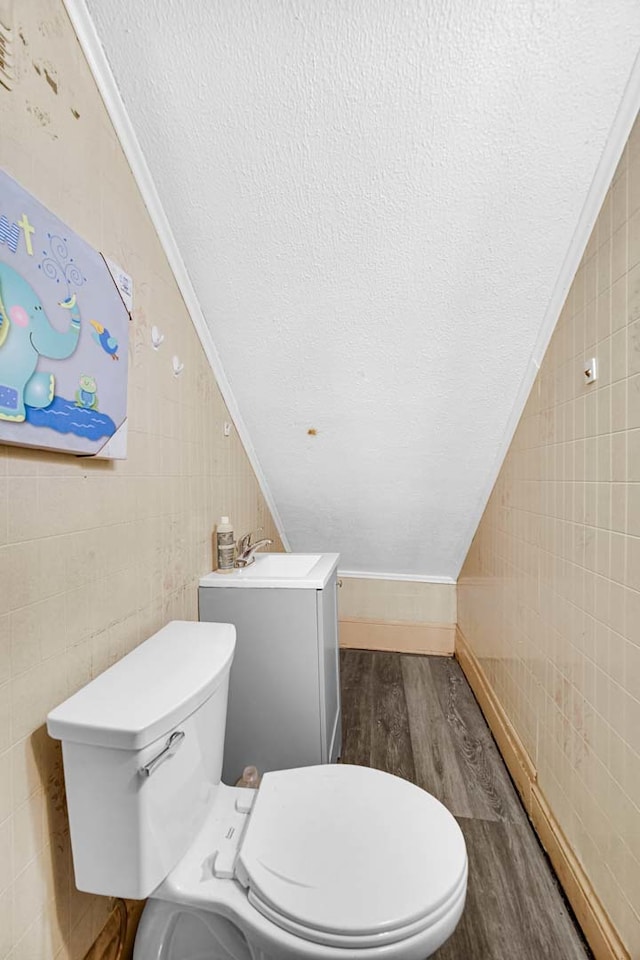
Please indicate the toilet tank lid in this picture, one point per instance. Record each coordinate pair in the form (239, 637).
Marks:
(149, 691)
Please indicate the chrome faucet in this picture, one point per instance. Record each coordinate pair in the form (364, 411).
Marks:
(245, 550)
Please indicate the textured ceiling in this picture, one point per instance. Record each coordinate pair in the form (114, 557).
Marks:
(374, 199)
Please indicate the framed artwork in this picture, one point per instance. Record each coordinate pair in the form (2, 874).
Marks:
(64, 330)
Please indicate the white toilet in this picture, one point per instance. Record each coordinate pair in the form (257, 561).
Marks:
(321, 863)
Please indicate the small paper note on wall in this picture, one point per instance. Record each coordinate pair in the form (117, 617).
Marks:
(63, 335)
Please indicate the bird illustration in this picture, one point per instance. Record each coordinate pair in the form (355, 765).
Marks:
(102, 336)
(69, 303)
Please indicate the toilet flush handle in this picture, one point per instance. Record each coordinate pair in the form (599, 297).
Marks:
(168, 750)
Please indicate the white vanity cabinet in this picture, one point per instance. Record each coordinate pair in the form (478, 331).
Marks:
(284, 690)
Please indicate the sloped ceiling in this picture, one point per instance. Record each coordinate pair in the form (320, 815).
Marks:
(374, 200)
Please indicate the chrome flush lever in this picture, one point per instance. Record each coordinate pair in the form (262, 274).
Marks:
(167, 751)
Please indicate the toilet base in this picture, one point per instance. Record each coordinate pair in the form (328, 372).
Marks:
(175, 931)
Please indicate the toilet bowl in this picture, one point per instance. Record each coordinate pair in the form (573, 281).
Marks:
(386, 877)
(320, 863)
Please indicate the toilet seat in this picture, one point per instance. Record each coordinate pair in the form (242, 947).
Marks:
(236, 869)
(350, 857)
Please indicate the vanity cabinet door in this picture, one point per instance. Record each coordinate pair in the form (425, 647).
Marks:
(273, 714)
(329, 672)
(284, 686)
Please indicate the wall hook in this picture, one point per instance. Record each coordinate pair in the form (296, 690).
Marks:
(156, 337)
(178, 366)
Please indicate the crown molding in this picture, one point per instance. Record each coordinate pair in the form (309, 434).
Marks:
(375, 575)
(99, 65)
(609, 159)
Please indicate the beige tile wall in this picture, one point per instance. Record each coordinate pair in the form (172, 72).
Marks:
(94, 556)
(549, 596)
(397, 600)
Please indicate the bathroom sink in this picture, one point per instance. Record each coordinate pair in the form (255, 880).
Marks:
(288, 570)
(282, 564)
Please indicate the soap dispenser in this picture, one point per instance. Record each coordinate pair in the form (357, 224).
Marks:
(225, 546)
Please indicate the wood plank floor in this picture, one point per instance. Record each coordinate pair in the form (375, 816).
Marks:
(416, 717)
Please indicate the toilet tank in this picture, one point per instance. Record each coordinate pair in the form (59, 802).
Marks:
(142, 746)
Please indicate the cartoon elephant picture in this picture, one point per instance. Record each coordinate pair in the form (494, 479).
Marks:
(26, 334)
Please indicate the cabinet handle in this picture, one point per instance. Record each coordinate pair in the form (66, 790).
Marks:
(167, 751)
(339, 581)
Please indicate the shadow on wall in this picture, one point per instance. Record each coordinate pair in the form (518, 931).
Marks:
(116, 919)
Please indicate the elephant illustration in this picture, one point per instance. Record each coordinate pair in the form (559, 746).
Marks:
(25, 335)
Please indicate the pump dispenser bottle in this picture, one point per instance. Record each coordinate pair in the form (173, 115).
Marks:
(225, 546)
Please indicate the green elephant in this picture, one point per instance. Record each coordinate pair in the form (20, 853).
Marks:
(25, 335)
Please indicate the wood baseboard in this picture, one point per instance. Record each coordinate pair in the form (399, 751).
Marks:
(397, 636)
(596, 925)
(511, 747)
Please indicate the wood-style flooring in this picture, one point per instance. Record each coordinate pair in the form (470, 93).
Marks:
(417, 717)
